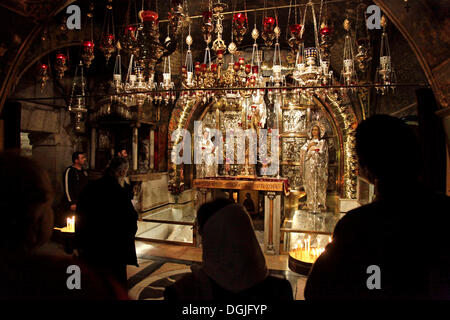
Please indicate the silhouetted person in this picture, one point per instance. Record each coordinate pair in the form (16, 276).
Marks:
(125, 181)
(248, 204)
(30, 267)
(233, 267)
(75, 178)
(122, 152)
(107, 223)
(404, 231)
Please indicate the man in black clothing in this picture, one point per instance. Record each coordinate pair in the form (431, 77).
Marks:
(398, 246)
(125, 181)
(107, 223)
(75, 179)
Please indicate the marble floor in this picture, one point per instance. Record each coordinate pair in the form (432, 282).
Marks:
(160, 265)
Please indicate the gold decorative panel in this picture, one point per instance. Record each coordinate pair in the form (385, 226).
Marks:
(294, 176)
(290, 148)
(294, 121)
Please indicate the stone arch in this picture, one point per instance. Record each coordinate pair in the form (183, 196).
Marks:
(343, 118)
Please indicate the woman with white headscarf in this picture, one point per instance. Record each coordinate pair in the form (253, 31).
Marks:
(314, 159)
(233, 267)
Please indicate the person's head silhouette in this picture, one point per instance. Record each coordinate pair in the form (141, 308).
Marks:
(26, 205)
(388, 152)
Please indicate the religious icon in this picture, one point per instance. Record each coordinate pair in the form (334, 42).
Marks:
(209, 165)
(314, 159)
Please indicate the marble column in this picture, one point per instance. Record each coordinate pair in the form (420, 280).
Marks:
(152, 149)
(272, 210)
(135, 148)
(93, 148)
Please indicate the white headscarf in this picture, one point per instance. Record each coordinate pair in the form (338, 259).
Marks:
(232, 256)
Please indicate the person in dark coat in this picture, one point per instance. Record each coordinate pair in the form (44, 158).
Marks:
(396, 247)
(107, 223)
(31, 266)
(233, 267)
(75, 178)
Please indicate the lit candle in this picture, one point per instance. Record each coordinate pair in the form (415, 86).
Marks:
(309, 244)
(301, 251)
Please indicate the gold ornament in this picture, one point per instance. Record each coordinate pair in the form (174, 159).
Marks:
(255, 33)
(189, 40)
(383, 21)
(277, 31)
(347, 25)
(232, 48)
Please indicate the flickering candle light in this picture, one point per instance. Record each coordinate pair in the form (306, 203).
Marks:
(88, 45)
(130, 29)
(325, 31)
(269, 24)
(60, 57)
(239, 18)
(248, 68)
(295, 29)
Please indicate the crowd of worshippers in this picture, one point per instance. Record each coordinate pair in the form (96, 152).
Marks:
(233, 265)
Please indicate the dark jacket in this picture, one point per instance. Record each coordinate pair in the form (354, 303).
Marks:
(106, 224)
(405, 235)
(197, 286)
(74, 182)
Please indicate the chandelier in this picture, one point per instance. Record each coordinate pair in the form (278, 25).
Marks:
(77, 103)
(312, 69)
(238, 79)
(385, 74)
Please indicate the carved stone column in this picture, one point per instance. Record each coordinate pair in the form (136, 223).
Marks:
(93, 148)
(272, 208)
(152, 150)
(135, 148)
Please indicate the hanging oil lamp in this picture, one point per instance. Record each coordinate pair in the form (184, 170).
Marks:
(88, 52)
(348, 73)
(61, 66)
(385, 74)
(107, 38)
(88, 45)
(43, 75)
(268, 33)
(239, 27)
(207, 26)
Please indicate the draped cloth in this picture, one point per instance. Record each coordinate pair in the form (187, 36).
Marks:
(315, 172)
(232, 256)
(209, 165)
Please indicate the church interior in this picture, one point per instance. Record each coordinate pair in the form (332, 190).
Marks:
(256, 101)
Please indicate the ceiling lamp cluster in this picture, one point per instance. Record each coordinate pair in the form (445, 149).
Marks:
(313, 64)
(140, 41)
(143, 45)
